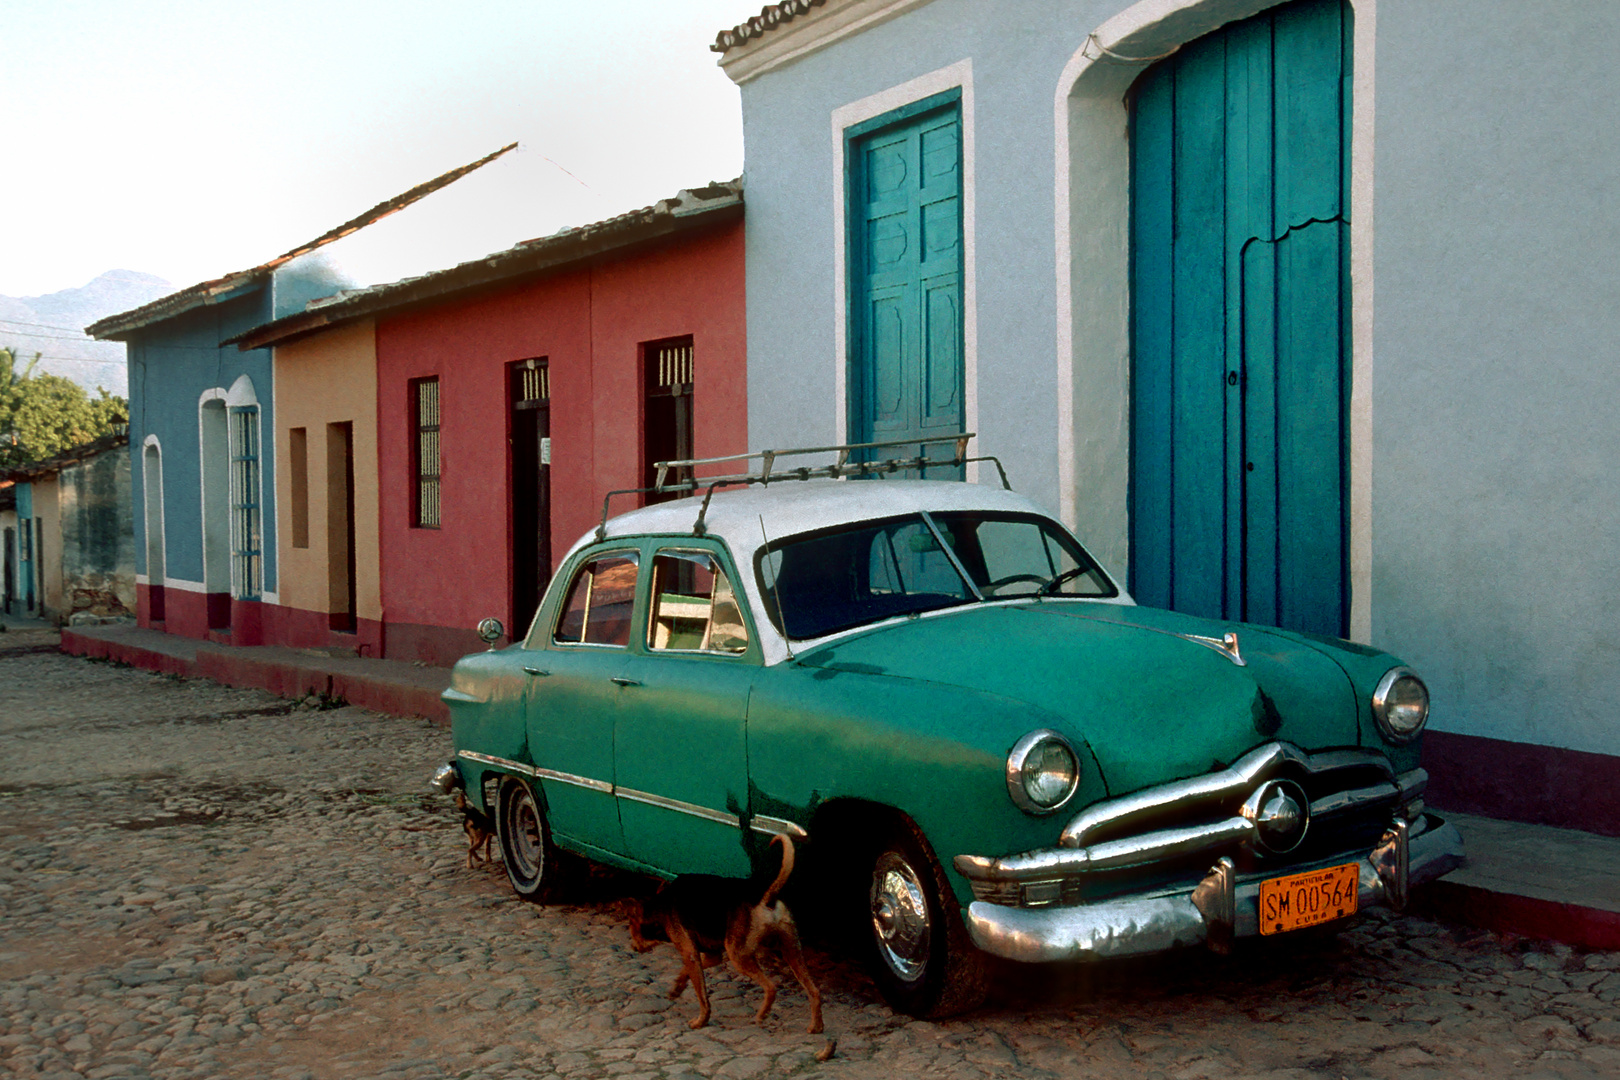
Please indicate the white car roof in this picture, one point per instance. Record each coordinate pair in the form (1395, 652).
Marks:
(788, 507)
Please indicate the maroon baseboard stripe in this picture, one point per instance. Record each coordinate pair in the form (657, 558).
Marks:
(1527, 916)
(1543, 785)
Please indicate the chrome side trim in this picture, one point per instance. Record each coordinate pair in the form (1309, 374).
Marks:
(678, 806)
(498, 762)
(1234, 783)
(773, 825)
(577, 781)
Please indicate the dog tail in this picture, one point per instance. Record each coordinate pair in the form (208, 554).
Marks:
(781, 875)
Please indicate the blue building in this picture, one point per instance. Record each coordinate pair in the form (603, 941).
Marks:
(1300, 314)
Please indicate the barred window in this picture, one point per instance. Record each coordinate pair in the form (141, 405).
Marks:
(247, 543)
(425, 430)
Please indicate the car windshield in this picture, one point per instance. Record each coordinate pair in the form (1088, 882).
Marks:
(835, 579)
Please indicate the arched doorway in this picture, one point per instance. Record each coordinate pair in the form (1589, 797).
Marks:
(1240, 302)
(215, 461)
(152, 519)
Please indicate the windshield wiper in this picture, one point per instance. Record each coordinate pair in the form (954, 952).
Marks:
(1051, 586)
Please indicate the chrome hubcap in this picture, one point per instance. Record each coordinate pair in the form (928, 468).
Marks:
(900, 916)
(527, 850)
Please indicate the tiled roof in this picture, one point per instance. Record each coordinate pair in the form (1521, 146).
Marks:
(769, 18)
(224, 288)
(74, 455)
(691, 208)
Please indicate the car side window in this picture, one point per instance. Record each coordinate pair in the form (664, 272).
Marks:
(599, 602)
(694, 607)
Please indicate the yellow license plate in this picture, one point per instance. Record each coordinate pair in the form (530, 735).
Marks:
(1300, 900)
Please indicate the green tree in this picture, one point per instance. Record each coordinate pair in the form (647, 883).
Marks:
(42, 415)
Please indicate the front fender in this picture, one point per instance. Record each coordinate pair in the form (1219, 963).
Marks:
(938, 753)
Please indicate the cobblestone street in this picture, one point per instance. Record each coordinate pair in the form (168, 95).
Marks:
(199, 881)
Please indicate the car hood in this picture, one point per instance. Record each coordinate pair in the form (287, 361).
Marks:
(1152, 705)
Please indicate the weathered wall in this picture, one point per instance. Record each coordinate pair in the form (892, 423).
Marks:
(589, 323)
(330, 378)
(98, 538)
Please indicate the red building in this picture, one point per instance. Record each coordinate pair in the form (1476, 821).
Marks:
(514, 392)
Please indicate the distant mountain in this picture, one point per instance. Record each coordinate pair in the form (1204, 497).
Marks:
(53, 325)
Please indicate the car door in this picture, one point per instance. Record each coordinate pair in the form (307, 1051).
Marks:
(575, 682)
(681, 763)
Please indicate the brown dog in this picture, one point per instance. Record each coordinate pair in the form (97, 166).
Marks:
(706, 917)
(479, 829)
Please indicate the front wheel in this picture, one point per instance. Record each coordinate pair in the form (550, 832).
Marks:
(920, 953)
(525, 840)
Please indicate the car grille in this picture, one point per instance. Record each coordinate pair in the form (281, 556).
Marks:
(1166, 837)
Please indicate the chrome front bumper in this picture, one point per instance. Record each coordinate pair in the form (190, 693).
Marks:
(1214, 911)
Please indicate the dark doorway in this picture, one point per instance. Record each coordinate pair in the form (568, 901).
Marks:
(340, 526)
(667, 420)
(530, 385)
(11, 567)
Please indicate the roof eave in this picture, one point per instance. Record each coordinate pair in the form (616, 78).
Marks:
(531, 259)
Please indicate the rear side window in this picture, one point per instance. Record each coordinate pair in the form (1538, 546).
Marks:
(599, 603)
(694, 608)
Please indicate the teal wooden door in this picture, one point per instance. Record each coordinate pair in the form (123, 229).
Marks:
(1240, 304)
(905, 271)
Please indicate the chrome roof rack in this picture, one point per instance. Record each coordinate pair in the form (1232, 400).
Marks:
(673, 477)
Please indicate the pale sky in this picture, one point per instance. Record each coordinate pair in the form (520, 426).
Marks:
(189, 139)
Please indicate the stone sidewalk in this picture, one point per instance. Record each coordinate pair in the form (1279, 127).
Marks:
(1530, 880)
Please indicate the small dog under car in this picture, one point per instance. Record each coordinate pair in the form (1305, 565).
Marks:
(708, 918)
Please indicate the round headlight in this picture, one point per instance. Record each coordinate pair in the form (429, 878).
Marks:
(1400, 704)
(1042, 772)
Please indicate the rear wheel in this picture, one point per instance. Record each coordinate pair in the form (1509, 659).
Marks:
(920, 953)
(526, 847)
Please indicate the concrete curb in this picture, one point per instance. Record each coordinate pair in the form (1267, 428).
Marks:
(385, 686)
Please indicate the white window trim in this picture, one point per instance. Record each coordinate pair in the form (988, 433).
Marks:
(957, 75)
(1152, 28)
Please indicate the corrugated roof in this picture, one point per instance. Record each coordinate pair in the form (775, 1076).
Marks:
(769, 18)
(33, 470)
(116, 327)
(691, 208)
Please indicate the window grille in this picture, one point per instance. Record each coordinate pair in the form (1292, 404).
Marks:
(247, 543)
(427, 452)
(534, 382)
(674, 364)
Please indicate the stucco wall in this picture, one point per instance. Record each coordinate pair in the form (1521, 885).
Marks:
(589, 324)
(1496, 501)
(98, 540)
(330, 378)
(48, 543)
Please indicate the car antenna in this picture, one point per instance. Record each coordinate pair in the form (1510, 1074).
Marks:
(776, 593)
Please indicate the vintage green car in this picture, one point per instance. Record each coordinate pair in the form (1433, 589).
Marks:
(935, 690)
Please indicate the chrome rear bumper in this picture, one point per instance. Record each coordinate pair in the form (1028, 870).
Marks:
(1225, 908)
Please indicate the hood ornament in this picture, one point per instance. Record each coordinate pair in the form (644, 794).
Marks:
(1226, 645)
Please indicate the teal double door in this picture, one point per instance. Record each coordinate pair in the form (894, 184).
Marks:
(1240, 322)
(904, 200)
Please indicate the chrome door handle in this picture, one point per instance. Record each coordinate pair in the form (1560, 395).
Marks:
(620, 680)
(536, 671)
